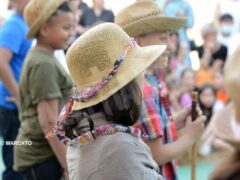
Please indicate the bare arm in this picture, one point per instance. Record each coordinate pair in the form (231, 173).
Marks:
(217, 14)
(47, 115)
(163, 153)
(6, 74)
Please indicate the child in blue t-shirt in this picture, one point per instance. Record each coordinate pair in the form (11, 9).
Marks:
(13, 49)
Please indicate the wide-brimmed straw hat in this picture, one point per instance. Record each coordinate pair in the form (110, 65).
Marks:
(37, 12)
(226, 124)
(145, 17)
(105, 59)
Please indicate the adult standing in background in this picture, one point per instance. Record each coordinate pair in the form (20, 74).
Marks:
(227, 35)
(83, 7)
(228, 7)
(13, 49)
(212, 55)
(96, 15)
(212, 51)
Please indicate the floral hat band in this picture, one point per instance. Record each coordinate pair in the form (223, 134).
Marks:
(86, 94)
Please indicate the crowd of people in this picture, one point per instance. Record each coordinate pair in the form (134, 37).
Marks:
(104, 96)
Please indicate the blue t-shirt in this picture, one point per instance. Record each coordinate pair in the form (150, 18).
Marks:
(13, 38)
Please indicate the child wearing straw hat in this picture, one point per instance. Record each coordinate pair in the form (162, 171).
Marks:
(13, 49)
(96, 123)
(44, 88)
(145, 21)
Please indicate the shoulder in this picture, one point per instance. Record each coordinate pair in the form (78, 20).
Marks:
(223, 47)
(83, 4)
(41, 57)
(40, 60)
(14, 26)
(200, 48)
(107, 11)
(148, 89)
(127, 157)
(88, 12)
(108, 14)
(121, 148)
(185, 95)
(123, 142)
(15, 20)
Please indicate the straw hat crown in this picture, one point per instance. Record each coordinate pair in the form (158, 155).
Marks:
(92, 56)
(146, 17)
(137, 11)
(37, 12)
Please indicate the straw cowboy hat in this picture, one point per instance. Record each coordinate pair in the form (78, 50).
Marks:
(99, 53)
(226, 125)
(37, 12)
(144, 17)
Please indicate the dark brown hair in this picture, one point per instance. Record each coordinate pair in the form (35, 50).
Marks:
(207, 111)
(122, 108)
(63, 7)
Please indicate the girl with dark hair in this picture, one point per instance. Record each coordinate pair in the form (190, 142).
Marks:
(208, 102)
(209, 105)
(206, 99)
(96, 124)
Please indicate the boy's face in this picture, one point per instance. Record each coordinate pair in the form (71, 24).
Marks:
(157, 38)
(226, 27)
(59, 30)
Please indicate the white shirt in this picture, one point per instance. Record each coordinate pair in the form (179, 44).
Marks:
(232, 42)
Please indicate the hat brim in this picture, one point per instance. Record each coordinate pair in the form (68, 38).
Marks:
(43, 17)
(135, 63)
(222, 126)
(154, 24)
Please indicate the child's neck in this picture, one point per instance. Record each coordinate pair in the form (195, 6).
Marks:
(97, 11)
(45, 47)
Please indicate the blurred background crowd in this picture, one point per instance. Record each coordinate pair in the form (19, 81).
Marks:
(199, 50)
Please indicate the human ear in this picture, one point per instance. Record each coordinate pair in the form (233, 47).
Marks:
(44, 30)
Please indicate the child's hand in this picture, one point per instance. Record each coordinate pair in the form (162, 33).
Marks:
(66, 175)
(182, 117)
(194, 129)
